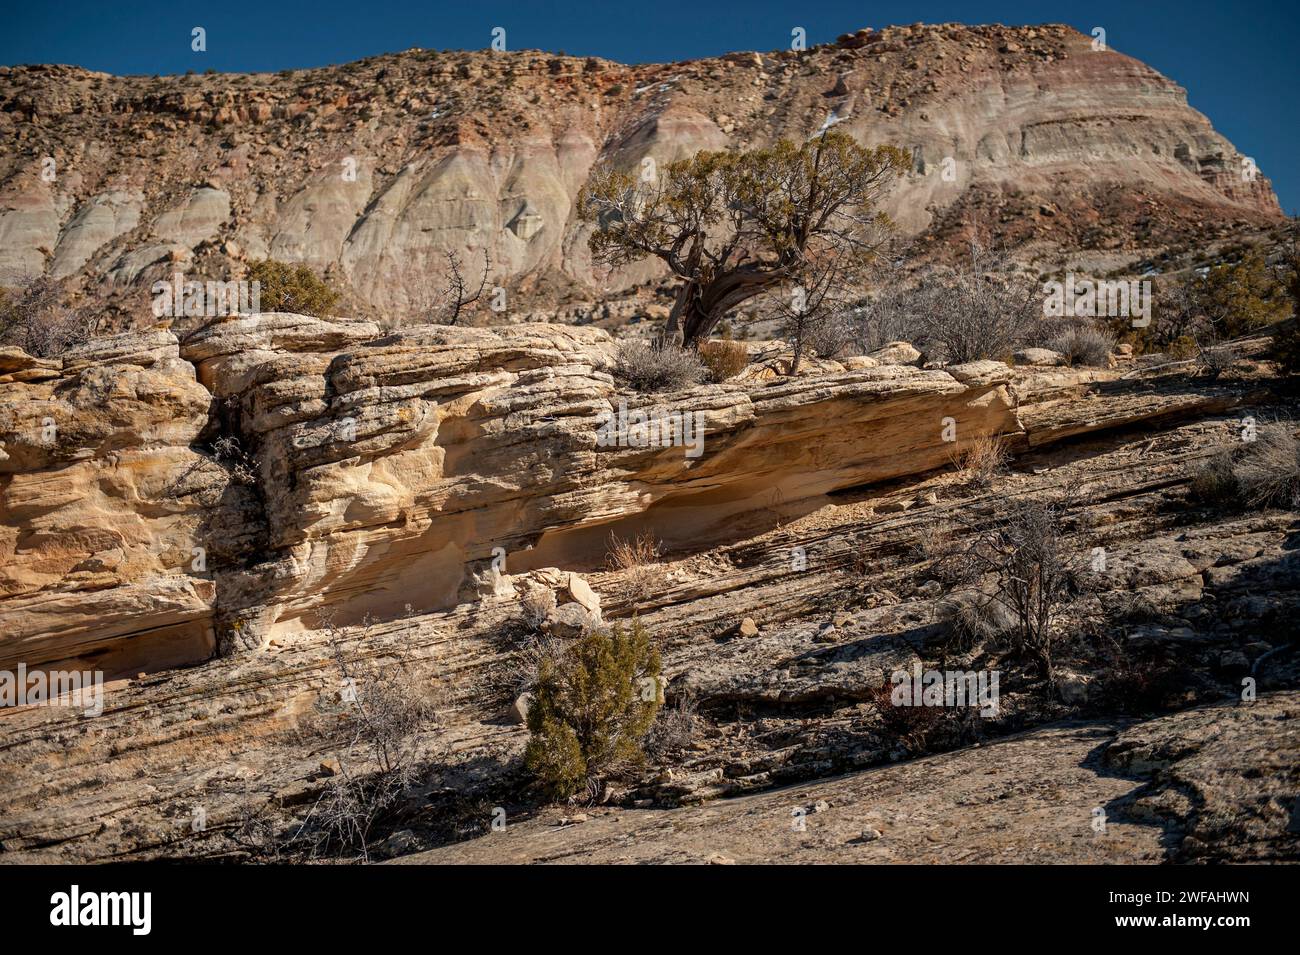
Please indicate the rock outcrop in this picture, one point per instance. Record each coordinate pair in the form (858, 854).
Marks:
(396, 159)
(781, 634)
(369, 476)
(1032, 799)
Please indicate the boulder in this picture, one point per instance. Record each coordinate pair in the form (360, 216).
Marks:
(1039, 357)
(897, 353)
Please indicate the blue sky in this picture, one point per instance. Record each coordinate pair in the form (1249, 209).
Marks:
(1240, 63)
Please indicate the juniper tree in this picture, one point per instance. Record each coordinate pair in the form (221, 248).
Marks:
(732, 225)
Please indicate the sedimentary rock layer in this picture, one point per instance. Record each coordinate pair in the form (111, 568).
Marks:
(269, 473)
(374, 169)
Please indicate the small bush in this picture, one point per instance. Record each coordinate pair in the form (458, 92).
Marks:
(911, 726)
(34, 317)
(1269, 470)
(1216, 482)
(972, 618)
(1036, 576)
(1260, 473)
(648, 368)
(592, 708)
(1286, 346)
(535, 605)
(981, 460)
(639, 557)
(675, 728)
(524, 668)
(377, 755)
(292, 288)
(1084, 345)
(723, 359)
(1216, 360)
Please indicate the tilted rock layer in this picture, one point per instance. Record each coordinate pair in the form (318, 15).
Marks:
(374, 169)
(273, 473)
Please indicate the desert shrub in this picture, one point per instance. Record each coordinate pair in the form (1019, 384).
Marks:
(1035, 574)
(34, 317)
(292, 288)
(1220, 303)
(830, 338)
(525, 665)
(1241, 297)
(592, 708)
(972, 619)
(911, 726)
(1215, 482)
(648, 368)
(384, 710)
(980, 308)
(981, 460)
(639, 556)
(1268, 472)
(675, 727)
(242, 466)
(1260, 473)
(1286, 336)
(723, 359)
(1084, 345)
(1286, 346)
(1216, 360)
(535, 605)
(625, 554)
(881, 320)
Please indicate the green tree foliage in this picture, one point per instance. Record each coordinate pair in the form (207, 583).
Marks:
(292, 288)
(1286, 337)
(1226, 302)
(593, 705)
(731, 225)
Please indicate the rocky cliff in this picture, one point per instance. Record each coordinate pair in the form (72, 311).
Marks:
(379, 475)
(320, 530)
(373, 169)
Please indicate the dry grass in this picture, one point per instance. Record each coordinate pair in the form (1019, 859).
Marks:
(647, 368)
(981, 460)
(1260, 473)
(723, 359)
(638, 558)
(1269, 471)
(535, 605)
(675, 728)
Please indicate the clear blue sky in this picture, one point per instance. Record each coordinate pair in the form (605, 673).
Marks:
(1240, 62)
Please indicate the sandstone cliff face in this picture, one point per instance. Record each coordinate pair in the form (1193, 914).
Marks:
(377, 476)
(97, 523)
(786, 704)
(374, 169)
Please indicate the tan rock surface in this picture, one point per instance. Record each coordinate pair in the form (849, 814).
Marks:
(405, 156)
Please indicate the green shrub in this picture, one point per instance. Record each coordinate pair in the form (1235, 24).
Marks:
(292, 288)
(1286, 346)
(594, 702)
(1243, 297)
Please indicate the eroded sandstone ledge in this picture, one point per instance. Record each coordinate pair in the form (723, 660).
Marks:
(384, 473)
